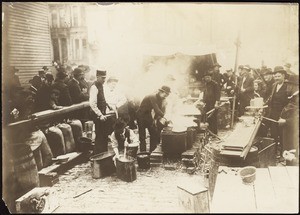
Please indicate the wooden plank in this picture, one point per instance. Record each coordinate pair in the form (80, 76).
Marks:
(264, 192)
(293, 173)
(54, 167)
(280, 177)
(231, 195)
(285, 192)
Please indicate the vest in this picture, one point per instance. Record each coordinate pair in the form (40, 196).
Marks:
(101, 102)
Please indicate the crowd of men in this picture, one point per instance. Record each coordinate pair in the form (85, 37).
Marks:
(279, 89)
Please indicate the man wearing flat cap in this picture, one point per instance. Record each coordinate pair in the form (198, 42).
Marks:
(246, 89)
(77, 95)
(151, 110)
(98, 109)
(211, 99)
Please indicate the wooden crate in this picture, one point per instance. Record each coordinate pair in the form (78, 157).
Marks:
(46, 203)
(193, 198)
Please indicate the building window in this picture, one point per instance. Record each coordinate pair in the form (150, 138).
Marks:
(75, 16)
(55, 49)
(77, 51)
(84, 43)
(62, 19)
(82, 12)
(54, 19)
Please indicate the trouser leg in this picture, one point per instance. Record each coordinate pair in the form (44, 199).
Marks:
(154, 137)
(142, 135)
(101, 140)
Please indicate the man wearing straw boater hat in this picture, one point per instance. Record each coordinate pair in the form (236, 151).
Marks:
(152, 110)
(98, 109)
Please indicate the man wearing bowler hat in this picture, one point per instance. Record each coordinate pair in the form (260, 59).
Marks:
(211, 99)
(269, 80)
(277, 101)
(98, 109)
(151, 110)
(217, 76)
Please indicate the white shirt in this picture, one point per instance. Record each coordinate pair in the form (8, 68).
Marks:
(114, 141)
(93, 100)
(278, 87)
(244, 78)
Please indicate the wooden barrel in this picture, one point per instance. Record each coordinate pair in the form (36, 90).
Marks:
(35, 141)
(230, 161)
(126, 170)
(77, 130)
(68, 137)
(25, 168)
(45, 150)
(55, 140)
(9, 187)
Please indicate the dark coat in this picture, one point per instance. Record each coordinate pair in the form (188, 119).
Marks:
(149, 103)
(291, 128)
(42, 98)
(212, 93)
(64, 94)
(268, 89)
(230, 84)
(76, 94)
(248, 86)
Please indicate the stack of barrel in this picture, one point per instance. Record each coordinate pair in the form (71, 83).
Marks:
(36, 150)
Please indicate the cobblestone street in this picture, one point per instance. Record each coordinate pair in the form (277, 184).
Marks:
(153, 191)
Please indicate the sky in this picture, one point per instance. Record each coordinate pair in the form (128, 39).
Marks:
(126, 33)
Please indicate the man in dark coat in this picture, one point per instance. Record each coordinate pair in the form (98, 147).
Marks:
(150, 111)
(277, 101)
(230, 85)
(98, 109)
(246, 89)
(217, 76)
(64, 93)
(269, 80)
(76, 93)
(43, 94)
(211, 99)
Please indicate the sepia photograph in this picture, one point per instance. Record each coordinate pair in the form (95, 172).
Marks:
(150, 107)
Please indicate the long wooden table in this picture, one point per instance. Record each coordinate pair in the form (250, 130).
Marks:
(275, 190)
(241, 139)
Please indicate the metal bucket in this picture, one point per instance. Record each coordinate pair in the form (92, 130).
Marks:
(126, 170)
(102, 165)
(132, 149)
(143, 160)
